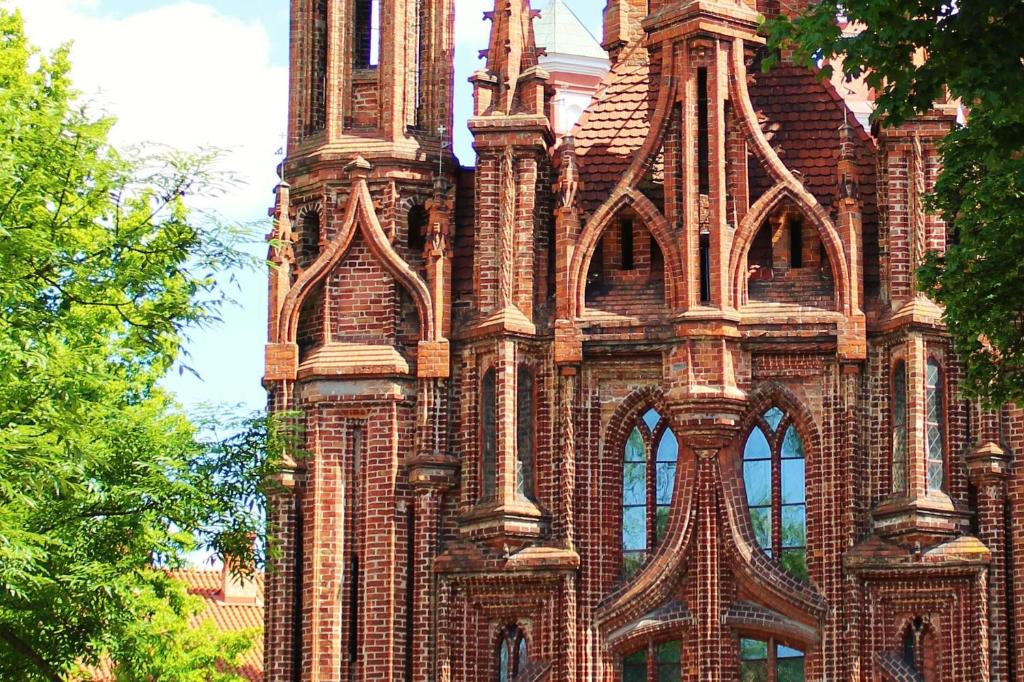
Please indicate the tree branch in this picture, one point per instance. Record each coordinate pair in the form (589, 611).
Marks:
(20, 646)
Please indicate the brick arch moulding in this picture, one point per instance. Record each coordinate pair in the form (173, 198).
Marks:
(359, 215)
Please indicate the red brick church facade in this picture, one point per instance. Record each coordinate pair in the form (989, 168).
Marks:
(656, 401)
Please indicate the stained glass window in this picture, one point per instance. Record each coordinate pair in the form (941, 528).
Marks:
(769, 661)
(899, 427)
(774, 477)
(935, 427)
(649, 464)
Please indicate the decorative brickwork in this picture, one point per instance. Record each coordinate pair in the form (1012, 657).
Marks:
(472, 349)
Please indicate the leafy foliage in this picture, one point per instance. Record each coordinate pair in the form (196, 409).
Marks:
(912, 53)
(103, 482)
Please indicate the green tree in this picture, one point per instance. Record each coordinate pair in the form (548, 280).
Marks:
(973, 50)
(104, 483)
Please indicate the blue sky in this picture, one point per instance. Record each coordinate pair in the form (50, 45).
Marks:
(194, 73)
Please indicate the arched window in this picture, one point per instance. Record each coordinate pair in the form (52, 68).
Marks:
(899, 427)
(769, 661)
(488, 436)
(417, 222)
(648, 483)
(935, 426)
(513, 657)
(655, 663)
(526, 432)
(773, 475)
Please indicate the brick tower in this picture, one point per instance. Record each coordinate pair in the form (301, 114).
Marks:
(653, 401)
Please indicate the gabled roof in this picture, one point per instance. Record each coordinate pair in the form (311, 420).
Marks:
(560, 31)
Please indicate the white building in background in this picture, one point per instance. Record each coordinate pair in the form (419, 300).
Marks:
(575, 60)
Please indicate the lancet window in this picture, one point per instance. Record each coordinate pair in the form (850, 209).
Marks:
(774, 478)
(650, 456)
(513, 655)
(935, 427)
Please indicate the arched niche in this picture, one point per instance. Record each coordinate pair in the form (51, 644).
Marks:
(787, 261)
(627, 271)
(309, 237)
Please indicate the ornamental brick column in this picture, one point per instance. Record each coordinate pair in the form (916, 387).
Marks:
(432, 472)
(989, 469)
(709, 570)
(567, 409)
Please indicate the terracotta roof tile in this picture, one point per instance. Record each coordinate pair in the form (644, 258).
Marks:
(227, 617)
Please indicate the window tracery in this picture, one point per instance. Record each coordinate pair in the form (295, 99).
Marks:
(774, 479)
(650, 458)
(935, 427)
(513, 654)
(770, 661)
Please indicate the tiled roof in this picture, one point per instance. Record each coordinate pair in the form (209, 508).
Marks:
(612, 129)
(560, 31)
(803, 117)
(802, 113)
(229, 617)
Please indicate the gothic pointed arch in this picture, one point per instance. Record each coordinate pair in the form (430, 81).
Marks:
(785, 181)
(753, 569)
(772, 200)
(359, 215)
(653, 586)
(652, 219)
(625, 191)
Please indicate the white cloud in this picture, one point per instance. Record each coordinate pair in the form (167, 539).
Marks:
(181, 75)
(184, 75)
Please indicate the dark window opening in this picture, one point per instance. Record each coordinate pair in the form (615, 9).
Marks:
(796, 244)
(595, 274)
(703, 141)
(353, 563)
(417, 223)
(526, 440)
(899, 427)
(909, 647)
(627, 240)
(367, 33)
(705, 268)
(488, 436)
(309, 239)
(420, 55)
(353, 609)
(318, 75)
